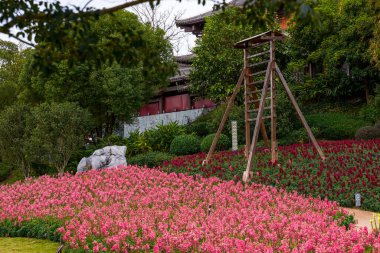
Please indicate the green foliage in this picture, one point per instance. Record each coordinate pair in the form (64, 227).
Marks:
(198, 128)
(114, 91)
(298, 136)
(223, 143)
(185, 145)
(287, 120)
(112, 140)
(11, 62)
(13, 136)
(344, 220)
(35, 228)
(5, 171)
(375, 41)
(150, 159)
(337, 50)
(56, 131)
(162, 136)
(137, 143)
(367, 133)
(58, 29)
(371, 111)
(334, 126)
(217, 65)
(236, 114)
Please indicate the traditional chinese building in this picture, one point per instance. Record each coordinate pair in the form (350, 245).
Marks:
(176, 102)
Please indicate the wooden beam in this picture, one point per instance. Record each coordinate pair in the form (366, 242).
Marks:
(257, 104)
(273, 114)
(300, 115)
(247, 79)
(225, 116)
(252, 150)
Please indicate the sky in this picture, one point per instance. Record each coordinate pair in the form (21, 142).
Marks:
(188, 7)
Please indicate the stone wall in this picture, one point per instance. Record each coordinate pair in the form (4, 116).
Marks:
(147, 122)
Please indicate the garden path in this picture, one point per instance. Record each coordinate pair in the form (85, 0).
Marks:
(363, 217)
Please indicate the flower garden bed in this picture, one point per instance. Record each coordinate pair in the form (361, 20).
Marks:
(351, 167)
(139, 209)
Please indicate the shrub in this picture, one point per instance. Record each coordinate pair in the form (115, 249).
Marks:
(137, 143)
(298, 136)
(34, 228)
(185, 145)
(334, 125)
(367, 133)
(198, 127)
(377, 125)
(112, 140)
(371, 111)
(236, 114)
(5, 171)
(162, 136)
(223, 143)
(150, 159)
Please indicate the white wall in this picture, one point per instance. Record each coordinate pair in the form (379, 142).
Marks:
(147, 122)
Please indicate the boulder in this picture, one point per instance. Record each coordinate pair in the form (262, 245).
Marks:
(110, 156)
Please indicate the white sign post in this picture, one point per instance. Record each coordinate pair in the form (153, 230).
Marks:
(234, 135)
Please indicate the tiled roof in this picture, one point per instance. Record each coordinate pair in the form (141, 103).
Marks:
(188, 58)
(183, 73)
(201, 17)
(194, 20)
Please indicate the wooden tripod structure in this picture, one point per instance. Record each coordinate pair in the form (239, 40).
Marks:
(259, 76)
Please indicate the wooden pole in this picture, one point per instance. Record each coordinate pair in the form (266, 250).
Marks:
(247, 173)
(246, 105)
(257, 104)
(300, 115)
(225, 116)
(274, 147)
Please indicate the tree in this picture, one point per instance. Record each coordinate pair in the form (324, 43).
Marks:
(13, 135)
(336, 51)
(162, 19)
(56, 131)
(55, 29)
(11, 62)
(111, 92)
(375, 42)
(217, 64)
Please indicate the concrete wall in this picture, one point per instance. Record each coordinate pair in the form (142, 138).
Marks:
(147, 122)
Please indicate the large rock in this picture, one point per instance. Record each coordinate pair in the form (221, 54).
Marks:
(110, 156)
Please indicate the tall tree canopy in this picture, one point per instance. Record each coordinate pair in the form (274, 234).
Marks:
(111, 92)
(54, 28)
(217, 65)
(11, 63)
(336, 51)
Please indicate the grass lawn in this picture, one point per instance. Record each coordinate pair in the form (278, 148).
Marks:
(27, 245)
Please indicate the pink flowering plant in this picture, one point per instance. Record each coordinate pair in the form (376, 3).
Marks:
(351, 167)
(132, 209)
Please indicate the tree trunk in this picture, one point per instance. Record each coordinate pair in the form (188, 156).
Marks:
(110, 124)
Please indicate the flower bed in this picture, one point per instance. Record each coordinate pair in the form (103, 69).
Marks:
(132, 209)
(351, 167)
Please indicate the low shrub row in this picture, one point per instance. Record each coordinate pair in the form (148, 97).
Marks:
(181, 145)
(368, 132)
(150, 159)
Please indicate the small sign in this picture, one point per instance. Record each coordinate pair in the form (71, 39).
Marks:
(358, 199)
(234, 135)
